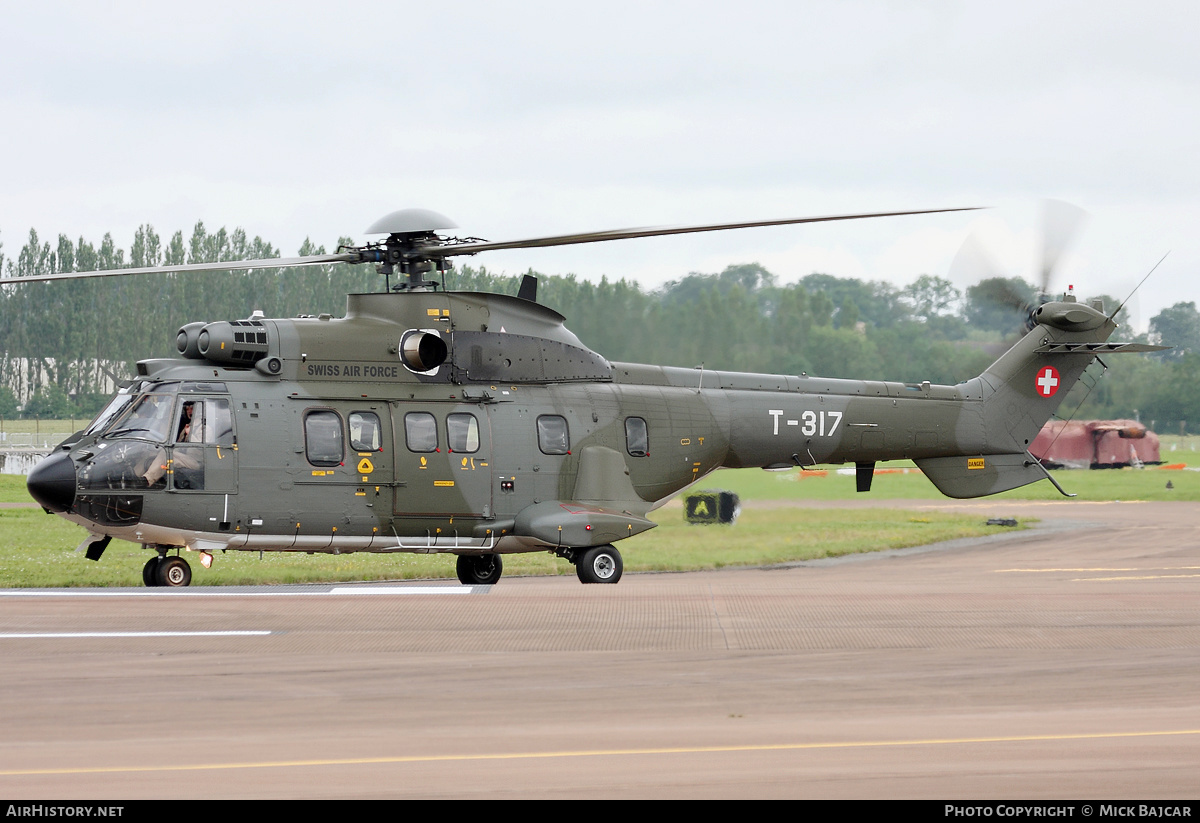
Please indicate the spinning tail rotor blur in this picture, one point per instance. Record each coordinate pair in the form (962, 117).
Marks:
(998, 294)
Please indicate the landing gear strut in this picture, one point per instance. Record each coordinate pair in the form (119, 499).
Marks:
(479, 569)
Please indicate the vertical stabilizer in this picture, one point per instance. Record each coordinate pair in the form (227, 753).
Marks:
(1020, 392)
(1030, 381)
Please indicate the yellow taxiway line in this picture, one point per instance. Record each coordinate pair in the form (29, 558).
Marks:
(450, 758)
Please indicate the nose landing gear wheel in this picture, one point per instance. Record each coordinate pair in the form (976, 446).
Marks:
(479, 569)
(174, 571)
(600, 564)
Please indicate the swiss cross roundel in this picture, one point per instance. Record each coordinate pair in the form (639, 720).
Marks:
(1047, 381)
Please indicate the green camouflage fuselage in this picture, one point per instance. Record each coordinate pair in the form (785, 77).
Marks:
(473, 423)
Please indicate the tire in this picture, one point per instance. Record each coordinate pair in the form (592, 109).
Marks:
(479, 569)
(600, 564)
(174, 572)
(150, 571)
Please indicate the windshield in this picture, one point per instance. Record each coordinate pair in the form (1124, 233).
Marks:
(149, 418)
(114, 407)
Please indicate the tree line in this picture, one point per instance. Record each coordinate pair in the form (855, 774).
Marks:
(63, 343)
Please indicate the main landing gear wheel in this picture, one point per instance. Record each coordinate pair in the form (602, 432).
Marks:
(150, 571)
(600, 564)
(479, 569)
(174, 571)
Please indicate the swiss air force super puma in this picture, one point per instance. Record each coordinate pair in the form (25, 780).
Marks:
(427, 420)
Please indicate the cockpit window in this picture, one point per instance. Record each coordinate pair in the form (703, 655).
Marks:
(219, 422)
(208, 420)
(149, 418)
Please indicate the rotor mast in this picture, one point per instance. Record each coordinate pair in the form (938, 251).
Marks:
(410, 248)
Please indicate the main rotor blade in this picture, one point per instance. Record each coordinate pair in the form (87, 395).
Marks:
(439, 250)
(628, 234)
(228, 265)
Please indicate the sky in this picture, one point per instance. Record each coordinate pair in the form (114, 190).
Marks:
(520, 119)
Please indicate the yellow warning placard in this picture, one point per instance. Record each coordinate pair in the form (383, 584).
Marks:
(975, 463)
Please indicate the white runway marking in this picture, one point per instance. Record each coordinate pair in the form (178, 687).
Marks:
(41, 635)
(407, 589)
(218, 592)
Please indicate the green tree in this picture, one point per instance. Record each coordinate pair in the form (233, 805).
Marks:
(999, 304)
(931, 296)
(879, 304)
(1177, 326)
(847, 314)
(1177, 397)
(50, 402)
(8, 402)
(843, 353)
(821, 308)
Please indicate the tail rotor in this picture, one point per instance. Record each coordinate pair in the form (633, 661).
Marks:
(1015, 296)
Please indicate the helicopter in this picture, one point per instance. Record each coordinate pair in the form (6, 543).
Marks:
(435, 421)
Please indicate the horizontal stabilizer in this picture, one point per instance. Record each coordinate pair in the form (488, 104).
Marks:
(1096, 348)
(982, 475)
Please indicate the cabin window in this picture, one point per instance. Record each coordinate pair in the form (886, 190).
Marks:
(553, 437)
(637, 439)
(323, 438)
(462, 433)
(420, 432)
(366, 435)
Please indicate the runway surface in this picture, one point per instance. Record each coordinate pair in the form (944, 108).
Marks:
(1062, 662)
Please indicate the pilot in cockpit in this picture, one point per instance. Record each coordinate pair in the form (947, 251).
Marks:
(186, 463)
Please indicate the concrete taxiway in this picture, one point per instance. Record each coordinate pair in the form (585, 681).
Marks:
(1061, 662)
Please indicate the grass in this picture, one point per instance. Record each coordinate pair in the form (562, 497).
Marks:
(12, 489)
(18, 432)
(1175, 447)
(65, 427)
(36, 549)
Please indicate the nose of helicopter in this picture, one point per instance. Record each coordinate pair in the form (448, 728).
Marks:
(52, 482)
